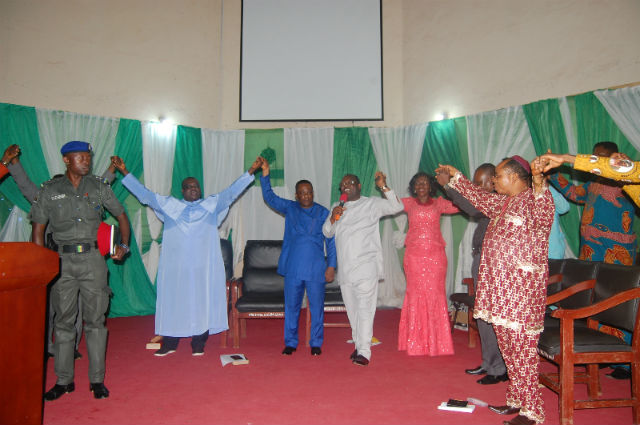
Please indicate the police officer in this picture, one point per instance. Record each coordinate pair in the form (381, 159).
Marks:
(73, 205)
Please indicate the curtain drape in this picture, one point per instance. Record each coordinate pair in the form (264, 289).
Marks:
(222, 163)
(19, 125)
(188, 158)
(133, 292)
(397, 152)
(158, 150)
(547, 132)
(623, 105)
(352, 154)
(308, 154)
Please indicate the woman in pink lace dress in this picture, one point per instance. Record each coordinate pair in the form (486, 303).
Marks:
(424, 321)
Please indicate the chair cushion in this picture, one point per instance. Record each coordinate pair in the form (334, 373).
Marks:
(260, 302)
(585, 340)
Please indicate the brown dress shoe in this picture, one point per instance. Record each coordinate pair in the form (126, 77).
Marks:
(520, 420)
(504, 410)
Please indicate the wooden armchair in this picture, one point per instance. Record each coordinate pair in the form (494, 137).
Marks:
(468, 299)
(616, 296)
(259, 294)
(332, 304)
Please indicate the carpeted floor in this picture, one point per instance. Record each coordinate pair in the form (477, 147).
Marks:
(300, 389)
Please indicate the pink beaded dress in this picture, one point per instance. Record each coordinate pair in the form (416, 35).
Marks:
(424, 321)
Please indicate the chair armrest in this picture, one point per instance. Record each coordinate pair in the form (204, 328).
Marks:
(471, 290)
(612, 301)
(236, 291)
(554, 278)
(572, 290)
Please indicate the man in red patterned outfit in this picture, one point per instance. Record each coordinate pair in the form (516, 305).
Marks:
(513, 273)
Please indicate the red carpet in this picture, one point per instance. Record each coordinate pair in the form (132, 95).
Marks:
(300, 389)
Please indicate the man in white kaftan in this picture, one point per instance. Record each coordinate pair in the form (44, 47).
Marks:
(191, 294)
(355, 225)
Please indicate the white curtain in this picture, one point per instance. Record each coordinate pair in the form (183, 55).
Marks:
(624, 107)
(58, 127)
(397, 152)
(17, 228)
(222, 164)
(158, 150)
(491, 137)
(308, 154)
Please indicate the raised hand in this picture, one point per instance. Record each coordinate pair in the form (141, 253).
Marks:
(256, 164)
(119, 164)
(265, 166)
(381, 179)
(11, 154)
(446, 169)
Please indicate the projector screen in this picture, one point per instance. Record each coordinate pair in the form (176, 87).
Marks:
(311, 60)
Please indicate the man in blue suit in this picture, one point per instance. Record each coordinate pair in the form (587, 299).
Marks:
(302, 260)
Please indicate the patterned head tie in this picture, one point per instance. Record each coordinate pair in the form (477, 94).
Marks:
(75, 146)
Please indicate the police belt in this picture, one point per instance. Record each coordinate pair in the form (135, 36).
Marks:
(79, 247)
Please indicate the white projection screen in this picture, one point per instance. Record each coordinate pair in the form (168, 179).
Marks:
(311, 60)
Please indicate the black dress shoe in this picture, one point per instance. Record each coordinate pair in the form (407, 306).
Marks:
(360, 360)
(99, 390)
(354, 354)
(493, 379)
(58, 391)
(504, 410)
(288, 350)
(316, 351)
(519, 420)
(477, 371)
(77, 355)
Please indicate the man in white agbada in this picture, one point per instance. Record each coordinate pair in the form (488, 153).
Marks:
(357, 236)
(191, 299)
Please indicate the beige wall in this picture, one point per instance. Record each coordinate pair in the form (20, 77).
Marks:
(469, 56)
(143, 59)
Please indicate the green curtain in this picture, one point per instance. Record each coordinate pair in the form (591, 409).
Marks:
(548, 132)
(270, 145)
(444, 145)
(594, 124)
(19, 125)
(445, 142)
(133, 292)
(353, 154)
(188, 158)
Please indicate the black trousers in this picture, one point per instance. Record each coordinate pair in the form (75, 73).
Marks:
(197, 341)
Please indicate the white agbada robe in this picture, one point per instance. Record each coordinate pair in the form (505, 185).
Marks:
(360, 263)
(191, 293)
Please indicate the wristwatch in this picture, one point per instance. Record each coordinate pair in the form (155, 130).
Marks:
(4, 163)
(125, 247)
(384, 187)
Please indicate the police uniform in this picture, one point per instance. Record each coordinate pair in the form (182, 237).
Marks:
(74, 216)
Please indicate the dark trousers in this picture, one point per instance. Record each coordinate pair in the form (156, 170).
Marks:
(197, 341)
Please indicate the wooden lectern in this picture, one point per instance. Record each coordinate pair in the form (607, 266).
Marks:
(25, 271)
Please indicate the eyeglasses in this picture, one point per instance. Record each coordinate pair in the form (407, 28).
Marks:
(347, 183)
